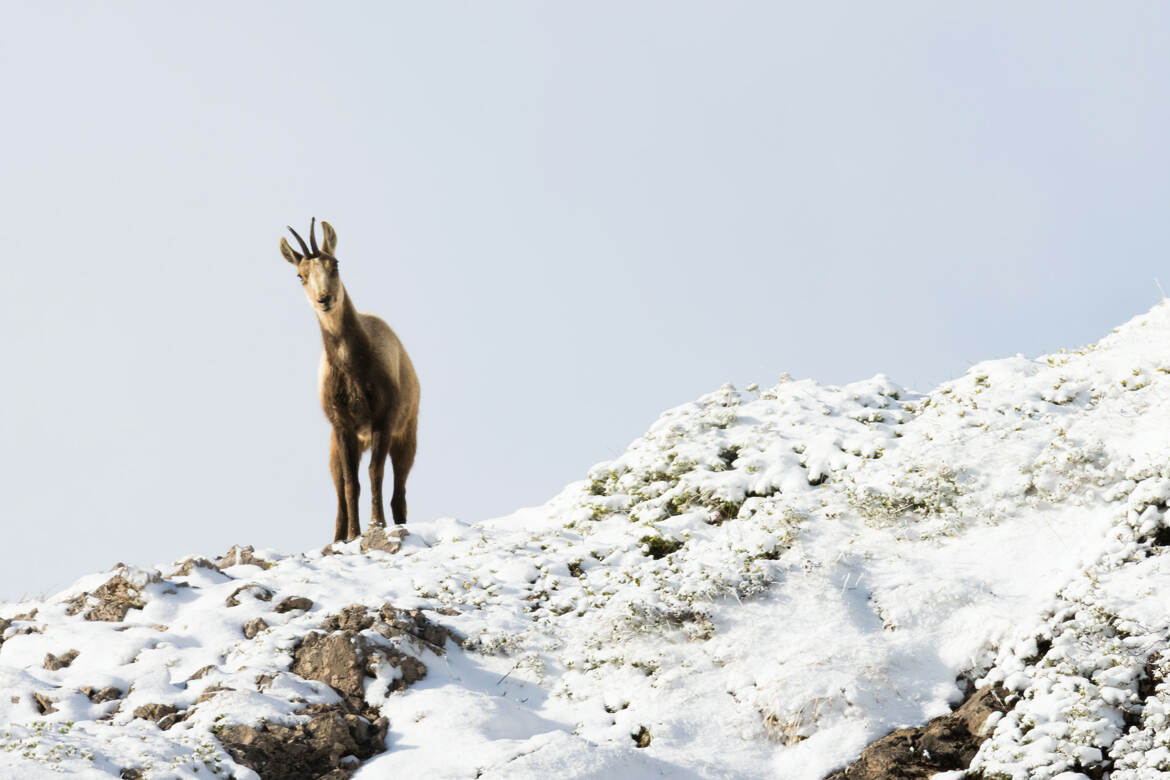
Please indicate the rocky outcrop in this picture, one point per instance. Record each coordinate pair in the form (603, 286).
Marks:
(44, 704)
(100, 695)
(944, 744)
(293, 603)
(165, 715)
(341, 660)
(343, 656)
(392, 623)
(245, 555)
(254, 627)
(334, 741)
(347, 651)
(110, 601)
(190, 564)
(211, 691)
(252, 589)
(382, 539)
(55, 663)
(352, 619)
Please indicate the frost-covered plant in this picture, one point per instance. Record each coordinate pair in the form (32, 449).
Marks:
(1090, 698)
(922, 492)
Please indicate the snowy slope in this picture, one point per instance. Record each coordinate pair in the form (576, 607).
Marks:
(763, 584)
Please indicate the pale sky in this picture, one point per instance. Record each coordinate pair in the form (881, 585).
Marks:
(575, 215)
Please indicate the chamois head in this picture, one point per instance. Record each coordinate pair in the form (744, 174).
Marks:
(317, 268)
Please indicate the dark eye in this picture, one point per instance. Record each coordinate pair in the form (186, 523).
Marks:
(301, 278)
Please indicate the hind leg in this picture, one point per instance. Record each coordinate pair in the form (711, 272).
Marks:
(402, 457)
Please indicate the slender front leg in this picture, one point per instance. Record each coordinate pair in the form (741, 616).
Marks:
(349, 454)
(335, 468)
(379, 447)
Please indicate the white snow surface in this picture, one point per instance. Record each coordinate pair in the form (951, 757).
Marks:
(764, 583)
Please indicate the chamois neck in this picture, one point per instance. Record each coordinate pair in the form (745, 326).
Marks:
(341, 325)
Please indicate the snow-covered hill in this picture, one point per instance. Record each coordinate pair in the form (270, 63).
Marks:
(765, 583)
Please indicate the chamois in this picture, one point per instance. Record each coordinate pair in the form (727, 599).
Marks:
(368, 387)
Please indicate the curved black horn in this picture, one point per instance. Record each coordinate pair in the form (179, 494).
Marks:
(313, 236)
(301, 241)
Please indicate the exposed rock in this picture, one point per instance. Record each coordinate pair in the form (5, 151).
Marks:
(254, 627)
(191, 564)
(316, 749)
(56, 662)
(157, 713)
(294, 602)
(353, 618)
(6, 624)
(411, 622)
(979, 706)
(413, 670)
(198, 675)
(44, 704)
(343, 657)
(129, 773)
(118, 588)
(944, 744)
(255, 589)
(115, 598)
(98, 696)
(641, 737)
(339, 660)
(238, 556)
(379, 538)
(166, 721)
(211, 691)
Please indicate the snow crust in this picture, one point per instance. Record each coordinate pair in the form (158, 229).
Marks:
(761, 585)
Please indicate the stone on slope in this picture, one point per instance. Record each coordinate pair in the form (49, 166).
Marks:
(320, 748)
(114, 598)
(383, 539)
(57, 662)
(944, 744)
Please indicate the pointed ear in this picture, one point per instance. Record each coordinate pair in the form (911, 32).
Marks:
(288, 252)
(330, 236)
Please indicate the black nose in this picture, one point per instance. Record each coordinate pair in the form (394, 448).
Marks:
(322, 299)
